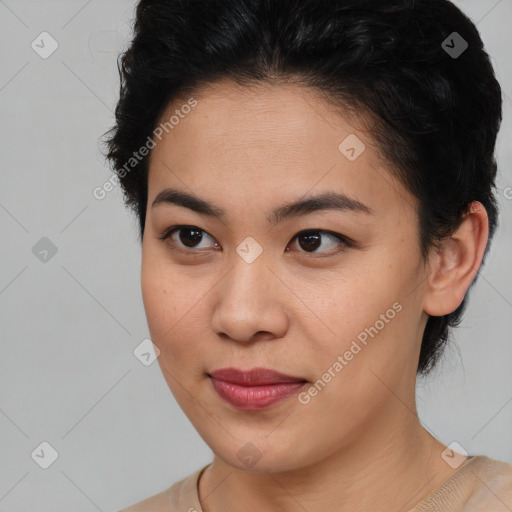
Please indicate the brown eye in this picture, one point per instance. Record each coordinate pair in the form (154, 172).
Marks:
(186, 237)
(190, 237)
(312, 240)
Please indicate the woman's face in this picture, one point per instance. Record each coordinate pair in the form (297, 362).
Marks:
(245, 289)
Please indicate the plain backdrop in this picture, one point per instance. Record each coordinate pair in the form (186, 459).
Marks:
(71, 310)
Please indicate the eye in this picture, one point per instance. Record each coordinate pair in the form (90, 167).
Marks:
(188, 237)
(312, 239)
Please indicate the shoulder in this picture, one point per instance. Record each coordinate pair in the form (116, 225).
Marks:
(480, 485)
(182, 496)
(493, 473)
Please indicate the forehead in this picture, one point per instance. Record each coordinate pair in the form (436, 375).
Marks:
(266, 139)
(261, 116)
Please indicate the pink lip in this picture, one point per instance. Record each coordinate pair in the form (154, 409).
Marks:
(254, 377)
(256, 389)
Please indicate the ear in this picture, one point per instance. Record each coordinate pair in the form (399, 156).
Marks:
(455, 264)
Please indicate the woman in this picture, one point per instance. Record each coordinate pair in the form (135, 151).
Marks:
(314, 185)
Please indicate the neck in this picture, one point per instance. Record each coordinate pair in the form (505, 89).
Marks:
(392, 466)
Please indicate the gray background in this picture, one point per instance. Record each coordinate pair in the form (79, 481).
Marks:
(68, 375)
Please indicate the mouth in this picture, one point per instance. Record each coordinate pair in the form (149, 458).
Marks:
(256, 389)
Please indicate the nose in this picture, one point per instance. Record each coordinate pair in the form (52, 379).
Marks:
(249, 303)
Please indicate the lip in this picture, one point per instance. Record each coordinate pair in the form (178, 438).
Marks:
(255, 389)
(253, 377)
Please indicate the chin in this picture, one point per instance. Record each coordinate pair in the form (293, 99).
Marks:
(258, 456)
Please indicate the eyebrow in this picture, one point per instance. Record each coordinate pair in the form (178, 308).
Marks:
(320, 202)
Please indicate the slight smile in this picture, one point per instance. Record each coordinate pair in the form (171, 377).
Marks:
(255, 389)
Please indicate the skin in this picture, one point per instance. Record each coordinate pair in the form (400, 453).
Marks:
(357, 444)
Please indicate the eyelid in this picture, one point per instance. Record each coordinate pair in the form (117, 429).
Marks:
(167, 233)
(171, 229)
(345, 241)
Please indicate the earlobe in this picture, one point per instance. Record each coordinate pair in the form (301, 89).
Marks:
(455, 263)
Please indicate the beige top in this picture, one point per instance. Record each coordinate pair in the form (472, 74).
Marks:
(481, 484)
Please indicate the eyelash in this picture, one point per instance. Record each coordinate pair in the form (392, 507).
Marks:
(166, 238)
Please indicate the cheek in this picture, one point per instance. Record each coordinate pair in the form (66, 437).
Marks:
(365, 313)
(174, 310)
(342, 305)
(164, 304)
(158, 303)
